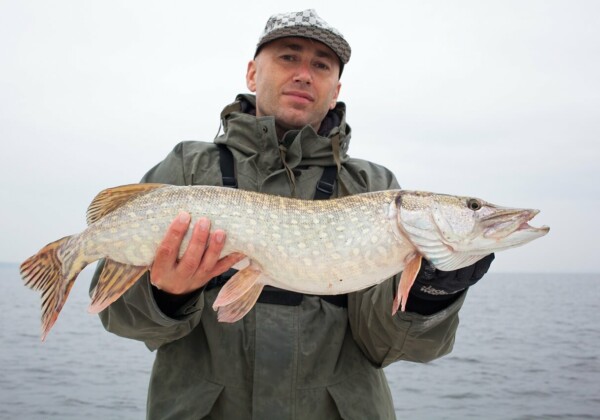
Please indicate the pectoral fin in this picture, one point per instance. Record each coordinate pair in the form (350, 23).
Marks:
(236, 310)
(407, 279)
(114, 280)
(239, 295)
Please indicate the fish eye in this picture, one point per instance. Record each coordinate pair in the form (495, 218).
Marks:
(473, 204)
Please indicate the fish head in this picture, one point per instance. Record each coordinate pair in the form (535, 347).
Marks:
(453, 231)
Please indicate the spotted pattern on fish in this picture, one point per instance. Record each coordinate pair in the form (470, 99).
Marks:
(316, 247)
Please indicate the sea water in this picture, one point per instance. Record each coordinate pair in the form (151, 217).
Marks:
(528, 347)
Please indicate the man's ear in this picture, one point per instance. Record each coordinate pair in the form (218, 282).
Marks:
(335, 96)
(251, 76)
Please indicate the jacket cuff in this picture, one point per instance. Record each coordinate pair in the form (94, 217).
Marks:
(176, 306)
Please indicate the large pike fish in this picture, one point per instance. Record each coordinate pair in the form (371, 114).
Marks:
(315, 247)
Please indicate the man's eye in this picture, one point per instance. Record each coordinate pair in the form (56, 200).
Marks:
(321, 66)
(288, 57)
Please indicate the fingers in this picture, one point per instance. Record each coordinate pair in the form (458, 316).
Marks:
(203, 251)
(464, 275)
(212, 264)
(199, 263)
(168, 250)
(194, 253)
(227, 262)
(427, 271)
(482, 266)
(212, 253)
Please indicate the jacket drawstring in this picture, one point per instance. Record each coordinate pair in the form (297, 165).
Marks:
(288, 170)
(335, 148)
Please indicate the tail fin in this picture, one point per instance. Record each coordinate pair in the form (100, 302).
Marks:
(43, 272)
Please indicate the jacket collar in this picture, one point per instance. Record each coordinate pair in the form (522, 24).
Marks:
(256, 138)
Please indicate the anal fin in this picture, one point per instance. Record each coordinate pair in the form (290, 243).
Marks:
(114, 280)
(407, 279)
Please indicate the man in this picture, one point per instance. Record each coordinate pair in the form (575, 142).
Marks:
(293, 355)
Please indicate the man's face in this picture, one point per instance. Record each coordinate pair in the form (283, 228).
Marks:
(296, 80)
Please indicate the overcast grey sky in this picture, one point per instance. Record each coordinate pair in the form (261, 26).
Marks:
(496, 99)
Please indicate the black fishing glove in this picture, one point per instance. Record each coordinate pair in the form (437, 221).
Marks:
(435, 284)
(435, 290)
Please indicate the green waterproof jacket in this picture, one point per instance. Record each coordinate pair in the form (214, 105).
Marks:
(314, 360)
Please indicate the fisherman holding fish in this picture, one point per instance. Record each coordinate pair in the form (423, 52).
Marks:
(294, 355)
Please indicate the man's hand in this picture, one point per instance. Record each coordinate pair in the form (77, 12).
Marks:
(438, 285)
(199, 263)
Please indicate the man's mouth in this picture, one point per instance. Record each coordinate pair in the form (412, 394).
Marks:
(299, 95)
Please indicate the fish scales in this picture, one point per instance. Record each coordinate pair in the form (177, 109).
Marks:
(317, 247)
(300, 241)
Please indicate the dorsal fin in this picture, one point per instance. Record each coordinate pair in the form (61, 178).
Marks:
(111, 199)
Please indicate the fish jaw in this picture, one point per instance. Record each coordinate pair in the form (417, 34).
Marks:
(512, 227)
(453, 232)
(502, 228)
(509, 229)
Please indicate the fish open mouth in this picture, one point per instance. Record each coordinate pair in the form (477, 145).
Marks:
(527, 226)
(512, 221)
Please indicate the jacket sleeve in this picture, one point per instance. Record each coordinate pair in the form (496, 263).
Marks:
(384, 338)
(136, 314)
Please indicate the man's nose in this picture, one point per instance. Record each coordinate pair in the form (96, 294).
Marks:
(303, 73)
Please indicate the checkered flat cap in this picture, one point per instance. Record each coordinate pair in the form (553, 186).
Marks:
(306, 24)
